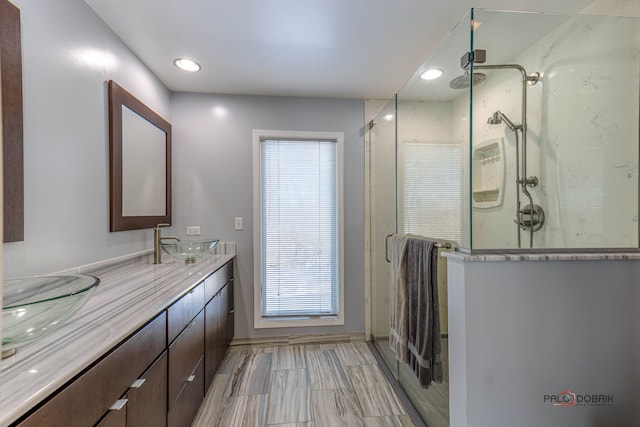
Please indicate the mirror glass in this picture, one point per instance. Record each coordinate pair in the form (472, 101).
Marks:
(143, 173)
(140, 163)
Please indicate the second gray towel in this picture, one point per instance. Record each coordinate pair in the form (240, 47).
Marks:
(424, 342)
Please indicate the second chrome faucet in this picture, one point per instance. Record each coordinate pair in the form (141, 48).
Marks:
(157, 240)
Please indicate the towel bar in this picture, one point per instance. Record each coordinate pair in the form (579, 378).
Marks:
(444, 245)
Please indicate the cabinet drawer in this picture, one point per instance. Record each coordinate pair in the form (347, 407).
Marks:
(184, 354)
(186, 406)
(180, 313)
(89, 397)
(216, 281)
(147, 404)
(114, 419)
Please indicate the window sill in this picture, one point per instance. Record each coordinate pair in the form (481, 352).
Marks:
(297, 322)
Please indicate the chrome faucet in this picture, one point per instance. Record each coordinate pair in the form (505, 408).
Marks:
(157, 239)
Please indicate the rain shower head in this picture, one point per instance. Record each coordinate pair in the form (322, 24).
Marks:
(462, 82)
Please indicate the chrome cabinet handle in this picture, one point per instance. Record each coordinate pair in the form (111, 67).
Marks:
(118, 404)
(137, 383)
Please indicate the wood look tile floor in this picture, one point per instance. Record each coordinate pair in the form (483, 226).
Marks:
(311, 385)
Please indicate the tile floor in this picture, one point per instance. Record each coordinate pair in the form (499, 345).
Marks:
(301, 385)
(433, 403)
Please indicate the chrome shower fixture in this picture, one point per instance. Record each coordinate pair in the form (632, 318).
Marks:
(498, 117)
(531, 217)
(462, 82)
(533, 78)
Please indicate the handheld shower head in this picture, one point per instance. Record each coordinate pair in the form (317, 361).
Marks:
(494, 119)
(498, 117)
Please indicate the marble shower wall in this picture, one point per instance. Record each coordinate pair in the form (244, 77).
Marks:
(582, 136)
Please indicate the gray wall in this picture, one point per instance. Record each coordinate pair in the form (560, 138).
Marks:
(520, 330)
(213, 183)
(68, 55)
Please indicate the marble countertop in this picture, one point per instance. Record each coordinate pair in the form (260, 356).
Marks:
(132, 291)
(559, 256)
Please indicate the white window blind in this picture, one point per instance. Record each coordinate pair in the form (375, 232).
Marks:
(299, 228)
(430, 190)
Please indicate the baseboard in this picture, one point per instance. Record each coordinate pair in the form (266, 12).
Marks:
(300, 339)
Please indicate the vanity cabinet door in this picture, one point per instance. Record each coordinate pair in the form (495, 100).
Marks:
(212, 338)
(186, 406)
(147, 396)
(114, 418)
(226, 317)
(230, 316)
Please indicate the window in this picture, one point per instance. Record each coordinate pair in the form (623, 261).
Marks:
(430, 190)
(298, 228)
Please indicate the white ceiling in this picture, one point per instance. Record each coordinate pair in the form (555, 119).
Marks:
(363, 49)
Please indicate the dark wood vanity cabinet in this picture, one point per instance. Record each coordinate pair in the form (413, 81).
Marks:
(211, 340)
(89, 399)
(229, 313)
(146, 400)
(218, 320)
(114, 419)
(147, 397)
(159, 375)
(186, 375)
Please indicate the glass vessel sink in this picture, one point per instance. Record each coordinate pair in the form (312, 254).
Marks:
(189, 250)
(35, 306)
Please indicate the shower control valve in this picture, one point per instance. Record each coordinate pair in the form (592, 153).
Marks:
(532, 181)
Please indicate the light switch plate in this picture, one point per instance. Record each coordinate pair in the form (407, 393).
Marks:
(238, 223)
(193, 230)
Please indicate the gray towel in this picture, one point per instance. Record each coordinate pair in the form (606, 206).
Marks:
(398, 321)
(423, 313)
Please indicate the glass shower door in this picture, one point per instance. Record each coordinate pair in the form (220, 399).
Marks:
(383, 222)
(399, 204)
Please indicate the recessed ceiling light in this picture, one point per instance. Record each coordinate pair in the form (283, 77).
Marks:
(388, 117)
(186, 64)
(431, 74)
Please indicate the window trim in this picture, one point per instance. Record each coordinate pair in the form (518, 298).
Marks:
(302, 321)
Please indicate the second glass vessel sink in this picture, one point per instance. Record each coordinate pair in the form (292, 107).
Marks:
(35, 306)
(189, 250)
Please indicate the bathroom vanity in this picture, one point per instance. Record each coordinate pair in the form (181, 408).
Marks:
(142, 351)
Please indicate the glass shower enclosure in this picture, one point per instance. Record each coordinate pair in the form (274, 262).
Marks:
(526, 142)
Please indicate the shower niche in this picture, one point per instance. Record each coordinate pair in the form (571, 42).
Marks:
(488, 173)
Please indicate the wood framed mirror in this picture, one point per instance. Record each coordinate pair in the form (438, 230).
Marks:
(140, 163)
(12, 121)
